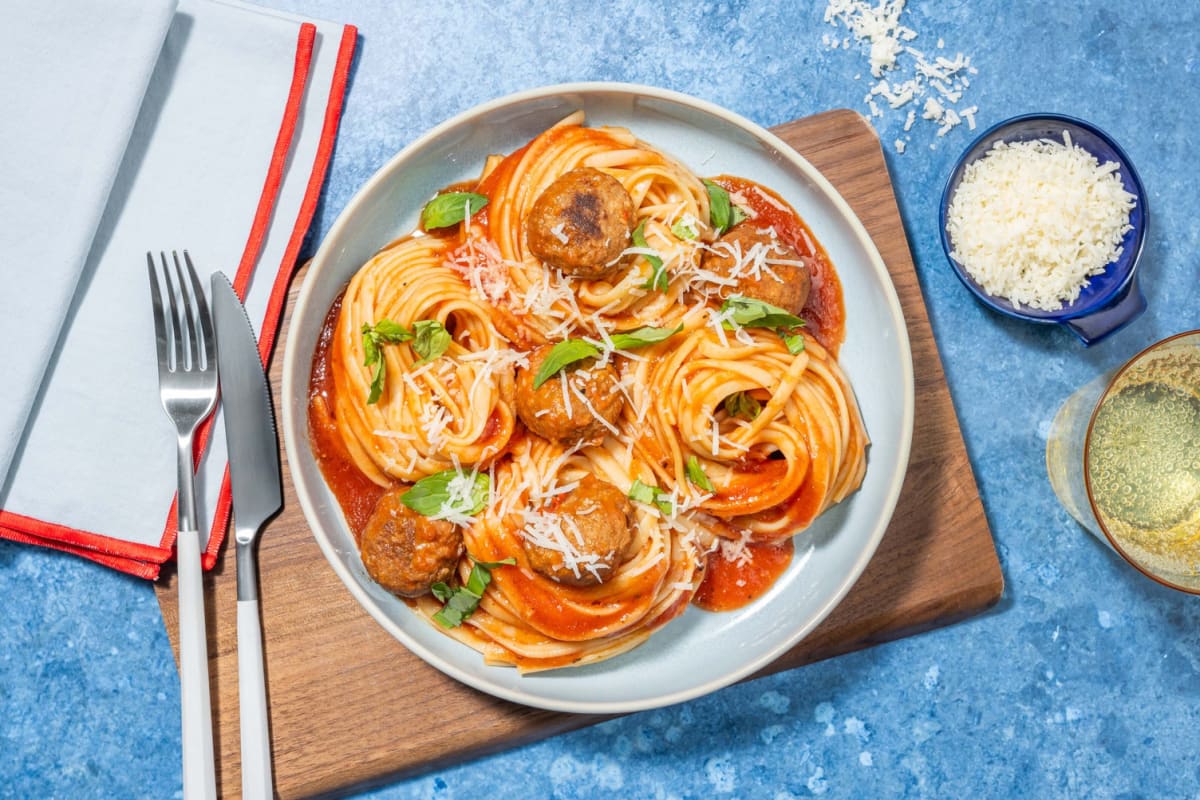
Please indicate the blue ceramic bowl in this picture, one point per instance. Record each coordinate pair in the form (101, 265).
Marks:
(1112, 299)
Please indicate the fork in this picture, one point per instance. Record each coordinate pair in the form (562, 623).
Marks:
(187, 385)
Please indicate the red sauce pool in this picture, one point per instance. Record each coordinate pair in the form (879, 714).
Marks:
(727, 586)
(356, 493)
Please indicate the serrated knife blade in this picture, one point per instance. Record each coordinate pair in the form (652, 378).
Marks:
(254, 474)
(254, 470)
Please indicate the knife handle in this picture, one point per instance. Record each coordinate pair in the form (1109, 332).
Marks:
(252, 700)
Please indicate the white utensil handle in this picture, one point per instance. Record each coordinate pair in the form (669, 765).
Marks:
(252, 697)
(199, 779)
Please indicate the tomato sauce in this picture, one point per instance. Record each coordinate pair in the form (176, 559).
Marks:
(728, 586)
(824, 312)
(356, 493)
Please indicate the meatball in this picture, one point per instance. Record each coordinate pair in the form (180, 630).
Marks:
(596, 521)
(568, 420)
(581, 223)
(765, 267)
(406, 552)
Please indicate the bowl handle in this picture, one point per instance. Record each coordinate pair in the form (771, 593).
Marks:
(1110, 319)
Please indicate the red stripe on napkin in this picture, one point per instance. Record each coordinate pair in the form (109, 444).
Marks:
(22, 528)
(270, 326)
(241, 280)
(140, 569)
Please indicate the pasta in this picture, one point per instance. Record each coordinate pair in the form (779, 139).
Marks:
(586, 376)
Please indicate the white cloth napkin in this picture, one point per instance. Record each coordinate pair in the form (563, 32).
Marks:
(226, 159)
(72, 97)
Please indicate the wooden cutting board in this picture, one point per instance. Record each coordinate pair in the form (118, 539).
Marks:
(341, 689)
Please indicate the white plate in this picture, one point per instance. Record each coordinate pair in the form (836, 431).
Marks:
(699, 652)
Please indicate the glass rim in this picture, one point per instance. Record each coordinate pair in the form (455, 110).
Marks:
(1087, 478)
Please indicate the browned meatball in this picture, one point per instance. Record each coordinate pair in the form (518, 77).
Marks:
(406, 552)
(545, 412)
(581, 224)
(735, 255)
(596, 525)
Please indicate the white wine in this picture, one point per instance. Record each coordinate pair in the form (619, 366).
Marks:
(1143, 463)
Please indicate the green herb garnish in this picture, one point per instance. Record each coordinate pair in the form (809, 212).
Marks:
(743, 405)
(429, 338)
(561, 356)
(570, 351)
(747, 312)
(460, 602)
(450, 208)
(722, 213)
(684, 230)
(642, 337)
(659, 280)
(751, 313)
(449, 494)
(651, 495)
(696, 474)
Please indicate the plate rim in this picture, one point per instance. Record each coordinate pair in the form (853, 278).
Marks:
(862, 239)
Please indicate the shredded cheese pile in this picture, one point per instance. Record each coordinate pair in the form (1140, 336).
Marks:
(1032, 221)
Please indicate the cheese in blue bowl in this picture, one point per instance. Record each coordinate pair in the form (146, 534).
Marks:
(1043, 219)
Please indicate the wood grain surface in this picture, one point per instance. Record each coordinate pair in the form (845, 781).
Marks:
(341, 689)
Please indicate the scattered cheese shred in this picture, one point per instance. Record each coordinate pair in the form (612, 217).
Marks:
(903, 74)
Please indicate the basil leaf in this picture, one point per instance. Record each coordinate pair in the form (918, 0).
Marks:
(374, 337)
(696, 475)
(562, 355)
(370, 349)
(719, 208)
(641, 492)
(478, 580)
(430, 339)
(737, 214)
(439, 496)
(741, 404)
(751, 313)
(683, 230)
(460, 603)
(659, 280)
(642, 337)
(569, 351)
(481, 574)
(460, 606)
(450, 208)
(506, 562)
(387, 331)
(377, 379)
(644, 493)
(794, 342)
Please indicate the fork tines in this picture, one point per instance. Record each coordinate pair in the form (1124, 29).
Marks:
(185, 340)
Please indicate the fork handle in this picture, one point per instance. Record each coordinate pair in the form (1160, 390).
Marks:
(199, 779)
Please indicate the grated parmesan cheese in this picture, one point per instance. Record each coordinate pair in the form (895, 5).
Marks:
(903, 74)
(549, 531)
(1032, 221)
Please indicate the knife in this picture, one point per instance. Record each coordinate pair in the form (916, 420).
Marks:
(254, 474)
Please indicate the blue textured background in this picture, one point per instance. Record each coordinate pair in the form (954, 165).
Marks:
(1083, 682)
